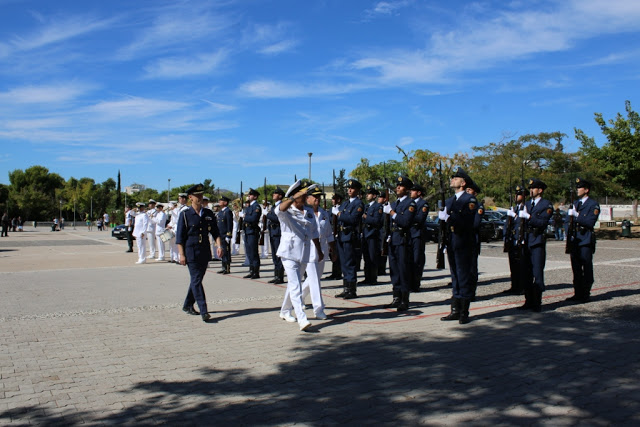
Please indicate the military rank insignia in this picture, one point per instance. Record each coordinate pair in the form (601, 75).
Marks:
(411, 209)
(480, 211)
(549, 210)
(359, 209)
(596, 211)
(424, 209)
(472, 206)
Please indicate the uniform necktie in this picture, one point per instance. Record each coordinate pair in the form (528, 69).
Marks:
(533, 203)
(579, 205)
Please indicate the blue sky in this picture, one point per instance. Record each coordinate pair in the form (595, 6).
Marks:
(243, 90)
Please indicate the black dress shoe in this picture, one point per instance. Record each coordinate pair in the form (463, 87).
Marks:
(206, 317)
(190, 310)
(394, 304)
(130, 250)
(573, 298)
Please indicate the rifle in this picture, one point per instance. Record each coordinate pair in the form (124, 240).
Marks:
(508, 240)
(324, 197)
(264, 217)
(387, 220)
(571, 232)
(239, 231)
(522, 224)
(442, 226)
(334, 217)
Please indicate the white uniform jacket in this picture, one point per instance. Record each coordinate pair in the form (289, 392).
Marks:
(325, 232)
(160, 219)
(298, 230)
(175, 214)
(142, 222)
(151, 226)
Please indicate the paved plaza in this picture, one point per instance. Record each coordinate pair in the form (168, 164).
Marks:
(88, 337)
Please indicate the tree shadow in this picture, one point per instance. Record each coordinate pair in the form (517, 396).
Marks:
(543, 369)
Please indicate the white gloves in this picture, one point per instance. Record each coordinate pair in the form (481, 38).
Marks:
(523, 214)
(573, 212)
(511, 213)
(228, 240)
(241, 214)
(387, 209)
(443, 215)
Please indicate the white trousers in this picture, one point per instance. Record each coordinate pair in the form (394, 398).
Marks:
(150, 236)
(312, 287)
(142, 247)
(265, 248)
(173, 250)
(293, 294)
(160, 246)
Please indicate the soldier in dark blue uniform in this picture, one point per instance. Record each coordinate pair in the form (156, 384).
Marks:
(371, 225)
(273, 224)
(515, 249)
(459, 214)
(251, 226)
(349, 217)
(536, 215)
(224, 219)
(585, 212)
(383, 200)
(402, 213)
(474, 190)
(336, 268)
(418, 236)
(192, 237)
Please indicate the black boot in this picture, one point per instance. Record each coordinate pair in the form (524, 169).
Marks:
(373, 275)
(250, 275)
(351, 290)
(227, 268)
(464, 311)
(256, 273)
(275, 275)
(537, 300)
(404, 302)
(345, 290)
(528, 300)
(279, 276)
(455, 310)
(396, 300)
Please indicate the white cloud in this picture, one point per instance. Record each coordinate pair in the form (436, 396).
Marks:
(134, 107)
(170, 68)
(265, 88)
(279, 47)
(387, 7)
(53, 93)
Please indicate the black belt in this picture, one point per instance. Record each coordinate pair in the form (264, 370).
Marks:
(274, 226)
(584, 229)
(346, 229)
(369, 226)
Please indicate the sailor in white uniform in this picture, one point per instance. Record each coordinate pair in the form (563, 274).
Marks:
(140, 233)
(299, 231)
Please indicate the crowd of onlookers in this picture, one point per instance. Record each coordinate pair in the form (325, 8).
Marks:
(14, 224)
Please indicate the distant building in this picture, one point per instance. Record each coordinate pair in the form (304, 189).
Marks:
(134, 188)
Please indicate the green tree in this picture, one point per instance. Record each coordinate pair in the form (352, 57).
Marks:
(617, 159)
(34, 191)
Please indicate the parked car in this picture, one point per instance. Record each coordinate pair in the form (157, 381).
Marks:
(120, 232)
(497, 219)
(431, 227)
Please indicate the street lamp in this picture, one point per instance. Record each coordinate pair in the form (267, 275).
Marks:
(310, 166)
(169, 191)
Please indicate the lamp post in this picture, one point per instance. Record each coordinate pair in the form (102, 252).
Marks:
(60, 217)
(310, 154)
(169, 191)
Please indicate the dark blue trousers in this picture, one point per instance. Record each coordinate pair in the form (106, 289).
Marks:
(275, 243)
(196, 290)
(251, 246)
(399, 258)
(533, 262)
(347, 260)
(462, 274)
(582, 266)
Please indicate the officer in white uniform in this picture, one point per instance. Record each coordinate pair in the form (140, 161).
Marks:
(140, 233)
(315, 268)
(151, 228)
(299, 230)
(160, 219)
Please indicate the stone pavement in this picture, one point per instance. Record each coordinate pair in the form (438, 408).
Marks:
(87, 337)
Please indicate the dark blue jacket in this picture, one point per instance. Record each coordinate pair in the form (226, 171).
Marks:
(460, 223)
(224, 219)
(536, 225)
(401, 225)
(373, 222)
(418, 230)
(193, 234)
(273, 223)
(251, 221)
(586, 220)
(349, 219)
